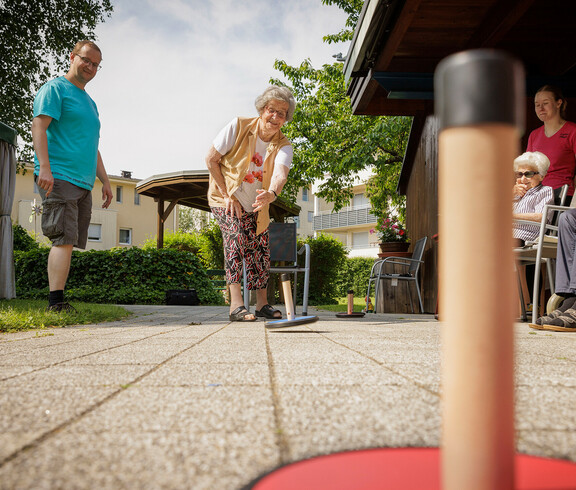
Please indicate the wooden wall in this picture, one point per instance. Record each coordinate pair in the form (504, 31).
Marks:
(422, 208)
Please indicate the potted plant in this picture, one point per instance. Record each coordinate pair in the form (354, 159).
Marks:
(393, 236)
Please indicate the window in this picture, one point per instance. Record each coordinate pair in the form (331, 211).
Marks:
(360, 239)
(310, 216)
(95, 232)
(305, 194)
(136, 198)
(119, 193)
(360, 201)
(125, 237)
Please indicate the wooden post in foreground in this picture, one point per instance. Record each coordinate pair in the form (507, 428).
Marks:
(479, 103)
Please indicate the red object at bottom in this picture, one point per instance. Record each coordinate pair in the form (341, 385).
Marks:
(403, 468)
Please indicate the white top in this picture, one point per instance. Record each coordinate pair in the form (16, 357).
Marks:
(246, 193)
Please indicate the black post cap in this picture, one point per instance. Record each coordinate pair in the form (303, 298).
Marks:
(478, 87)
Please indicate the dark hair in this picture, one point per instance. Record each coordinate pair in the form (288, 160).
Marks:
(557, 93)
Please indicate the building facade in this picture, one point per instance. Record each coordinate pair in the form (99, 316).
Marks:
(130, 220)
(351, 225)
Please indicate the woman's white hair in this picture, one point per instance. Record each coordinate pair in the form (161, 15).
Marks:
(533, 159)
(275, 92)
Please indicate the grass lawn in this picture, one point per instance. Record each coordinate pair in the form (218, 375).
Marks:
(359, 305)
(17, 315)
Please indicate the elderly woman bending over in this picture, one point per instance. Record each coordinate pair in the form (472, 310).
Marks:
(530, 196)
(249, 163)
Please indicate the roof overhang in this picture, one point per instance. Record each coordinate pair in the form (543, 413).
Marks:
(190, 188)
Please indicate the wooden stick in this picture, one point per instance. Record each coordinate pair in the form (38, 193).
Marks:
(350, 301)
(477, 288)
(285, 278)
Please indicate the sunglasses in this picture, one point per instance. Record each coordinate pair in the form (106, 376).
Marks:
(519, 175)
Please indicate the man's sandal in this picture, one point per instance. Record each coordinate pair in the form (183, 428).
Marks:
(239, 315)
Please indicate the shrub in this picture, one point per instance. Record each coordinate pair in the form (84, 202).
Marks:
(22, 239)
(123, 275)
(327, 256)
(178, 240)
(206, 244)
(212, 246)
(354, 275)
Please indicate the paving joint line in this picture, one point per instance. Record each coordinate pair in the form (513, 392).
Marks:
(281, 440)
(95, 352)
(381, 364)
(43, 437)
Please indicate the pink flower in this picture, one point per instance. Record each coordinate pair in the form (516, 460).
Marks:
(257, 159)
(258, 175)
(249, 178)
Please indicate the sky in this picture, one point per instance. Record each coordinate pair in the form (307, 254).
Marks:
(174, 72)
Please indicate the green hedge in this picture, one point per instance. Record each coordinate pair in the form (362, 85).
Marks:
(354, 275)
(123, 276)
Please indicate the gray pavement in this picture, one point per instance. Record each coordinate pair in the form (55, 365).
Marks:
(179, 397)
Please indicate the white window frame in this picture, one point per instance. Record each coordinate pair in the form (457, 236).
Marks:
(119, 194)
(129, 230)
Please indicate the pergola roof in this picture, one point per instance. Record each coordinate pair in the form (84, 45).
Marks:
(190, 188)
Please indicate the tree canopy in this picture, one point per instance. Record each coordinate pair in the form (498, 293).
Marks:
(36, 38)
(331, 144)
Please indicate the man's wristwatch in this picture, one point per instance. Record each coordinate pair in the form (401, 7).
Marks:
(275, 195)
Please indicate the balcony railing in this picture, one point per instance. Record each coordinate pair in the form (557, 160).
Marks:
(342, 219)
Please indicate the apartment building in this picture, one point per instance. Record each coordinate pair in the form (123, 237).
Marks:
(130, 220)
(351, 225)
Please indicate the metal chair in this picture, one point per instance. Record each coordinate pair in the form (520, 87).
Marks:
(284, 248)
(411, 266)
(541, 251)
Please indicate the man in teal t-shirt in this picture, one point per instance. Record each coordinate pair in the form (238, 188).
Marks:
(65, 132)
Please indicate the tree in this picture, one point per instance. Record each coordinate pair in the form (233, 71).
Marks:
(331, 143)
(36, 38)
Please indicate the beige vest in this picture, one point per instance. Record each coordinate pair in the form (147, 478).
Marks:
(234, 166)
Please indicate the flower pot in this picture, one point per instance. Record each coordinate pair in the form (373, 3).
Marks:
(387, 247)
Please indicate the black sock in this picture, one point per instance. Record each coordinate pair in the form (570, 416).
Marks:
(56, 297)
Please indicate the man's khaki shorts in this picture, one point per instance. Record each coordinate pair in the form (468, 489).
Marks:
(66, 214)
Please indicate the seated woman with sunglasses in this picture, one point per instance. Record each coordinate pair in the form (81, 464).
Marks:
(530, 196)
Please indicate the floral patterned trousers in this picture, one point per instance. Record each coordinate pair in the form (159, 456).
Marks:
(241, 242)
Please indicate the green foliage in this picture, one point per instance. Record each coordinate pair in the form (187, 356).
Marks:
(330, 143)
(36, 39)
(212, 246)
(123, 275)
(190, 219)
(352, 8)
(22, 240)
(18, 315)
(178, 240)
(354, 275)
(206, 244)
(327, 255)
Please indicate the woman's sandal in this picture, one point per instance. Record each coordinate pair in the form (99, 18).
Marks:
(268, 312)
(239, 315)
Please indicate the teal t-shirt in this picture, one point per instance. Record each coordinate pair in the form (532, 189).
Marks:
(73, 134)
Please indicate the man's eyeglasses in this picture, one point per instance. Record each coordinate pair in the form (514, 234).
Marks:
(86, 61)
(280, 114)
(529, 174)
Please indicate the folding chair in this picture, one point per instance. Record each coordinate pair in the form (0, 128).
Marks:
(284, 248)
(411, 267)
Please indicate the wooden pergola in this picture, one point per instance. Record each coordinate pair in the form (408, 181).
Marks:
(190, 188)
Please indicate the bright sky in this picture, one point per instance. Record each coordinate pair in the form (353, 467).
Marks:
(176, 71)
